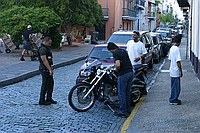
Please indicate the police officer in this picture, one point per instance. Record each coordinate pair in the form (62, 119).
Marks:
(46, 70)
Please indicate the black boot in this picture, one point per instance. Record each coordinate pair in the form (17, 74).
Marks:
(44, 103)
(51, 101)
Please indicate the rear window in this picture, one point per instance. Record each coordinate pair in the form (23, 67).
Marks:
(120, 38)
(100, 53)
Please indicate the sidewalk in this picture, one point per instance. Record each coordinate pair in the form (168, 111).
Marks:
(156, 115)
(13, 70)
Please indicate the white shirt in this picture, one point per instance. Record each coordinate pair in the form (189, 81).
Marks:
(135, 49)
(174, 56)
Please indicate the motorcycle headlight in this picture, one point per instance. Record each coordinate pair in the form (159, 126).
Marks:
(98, 71)
(85, 73)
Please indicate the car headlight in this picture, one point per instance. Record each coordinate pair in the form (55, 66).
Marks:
(85, 73)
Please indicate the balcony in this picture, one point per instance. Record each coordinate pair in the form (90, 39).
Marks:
(128, 14)
(140, 4)
(105, 13)
(151, 15)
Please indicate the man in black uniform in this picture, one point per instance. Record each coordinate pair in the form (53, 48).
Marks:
(46, 62)
(27, 37)
(125, 76)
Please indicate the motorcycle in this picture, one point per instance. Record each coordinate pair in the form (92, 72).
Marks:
(101, 84)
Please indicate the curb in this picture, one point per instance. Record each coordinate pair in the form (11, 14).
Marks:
(30, 74)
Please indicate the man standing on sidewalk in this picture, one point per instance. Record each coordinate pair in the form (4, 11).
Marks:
(46, 70)
(125, 76)
(175, 71)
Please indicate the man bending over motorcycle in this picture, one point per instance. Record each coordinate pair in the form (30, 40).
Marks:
(124, 71)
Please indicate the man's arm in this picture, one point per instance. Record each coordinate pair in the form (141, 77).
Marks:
(139, 58)
(46, 63)
(180, 68)
(117, 64)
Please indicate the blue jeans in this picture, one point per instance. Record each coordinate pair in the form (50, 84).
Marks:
(175, 89)
(124, 86)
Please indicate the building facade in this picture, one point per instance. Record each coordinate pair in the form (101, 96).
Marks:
(194, 34)
(127, 15)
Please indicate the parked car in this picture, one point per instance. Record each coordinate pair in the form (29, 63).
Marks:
(157, 47)
(167, 38)
(101, 53)
(121, 38)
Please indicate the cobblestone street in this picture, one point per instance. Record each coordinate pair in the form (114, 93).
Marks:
(20, 111)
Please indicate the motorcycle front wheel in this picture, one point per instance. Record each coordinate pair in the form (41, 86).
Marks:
(77, 99)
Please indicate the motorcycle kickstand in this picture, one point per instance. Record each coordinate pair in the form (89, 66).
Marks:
(106, 103)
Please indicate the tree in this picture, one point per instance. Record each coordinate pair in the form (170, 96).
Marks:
(14, 21)
(73, 12)
(166, 18)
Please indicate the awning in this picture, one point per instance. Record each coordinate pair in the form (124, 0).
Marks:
(183, 3)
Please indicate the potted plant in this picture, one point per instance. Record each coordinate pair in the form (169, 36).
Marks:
(87, 40)
(78, 38)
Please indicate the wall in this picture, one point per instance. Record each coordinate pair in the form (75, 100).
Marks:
(194, 35)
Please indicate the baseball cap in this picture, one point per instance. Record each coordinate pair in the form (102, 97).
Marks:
(29, 26)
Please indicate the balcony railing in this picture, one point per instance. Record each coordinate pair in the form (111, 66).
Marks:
(151, 15)
(140, 4)
(105, 13)
(128, 14)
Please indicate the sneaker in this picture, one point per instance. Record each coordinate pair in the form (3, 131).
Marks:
(52, 101)
(44, 103)
(22, 59)
(120, 115)
(176, 103)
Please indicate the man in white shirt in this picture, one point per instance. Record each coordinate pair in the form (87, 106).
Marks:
(137, 52)
(175, 71)
(136, 49)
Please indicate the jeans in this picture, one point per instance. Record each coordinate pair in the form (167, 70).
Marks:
(124, 86)
(175, 89)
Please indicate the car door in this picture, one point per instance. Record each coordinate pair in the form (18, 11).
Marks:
(149, 44)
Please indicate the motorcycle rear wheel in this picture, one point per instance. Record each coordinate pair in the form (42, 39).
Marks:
(76, 97)
(135, 95)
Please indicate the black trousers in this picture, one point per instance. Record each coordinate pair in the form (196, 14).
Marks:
(47, 85)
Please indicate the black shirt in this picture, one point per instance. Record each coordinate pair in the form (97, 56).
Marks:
(26, 34)
(43, 50)
(125, 63)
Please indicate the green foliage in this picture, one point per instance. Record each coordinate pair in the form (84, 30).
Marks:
(14, 20)
(166, 18)
(56, 37)
(86, 13)
(74, 12)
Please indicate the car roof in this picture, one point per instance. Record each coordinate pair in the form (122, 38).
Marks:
(130, 32)
(154, 33)
(105, 45)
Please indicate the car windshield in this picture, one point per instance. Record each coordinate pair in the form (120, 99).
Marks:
(120, 38)
(100, 53)
(165, 34)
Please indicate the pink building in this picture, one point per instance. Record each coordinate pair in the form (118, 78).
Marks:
(118, 14)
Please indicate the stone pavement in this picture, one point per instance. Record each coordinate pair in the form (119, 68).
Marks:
(13, 70)
(156, 115)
